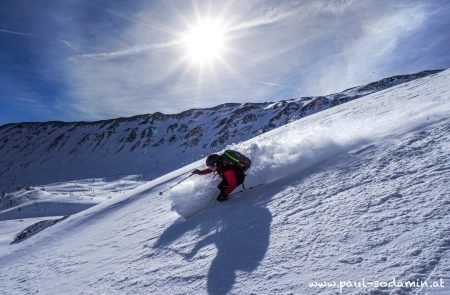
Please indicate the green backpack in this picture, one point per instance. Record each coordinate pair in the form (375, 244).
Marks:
(236, 159)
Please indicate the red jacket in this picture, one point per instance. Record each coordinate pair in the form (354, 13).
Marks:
(229, 179)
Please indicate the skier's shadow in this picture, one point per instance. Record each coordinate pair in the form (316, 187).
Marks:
(241, 235)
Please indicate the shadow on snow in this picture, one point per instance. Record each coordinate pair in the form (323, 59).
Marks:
(241, 236)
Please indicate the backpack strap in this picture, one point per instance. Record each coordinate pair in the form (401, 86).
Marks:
(231, 157)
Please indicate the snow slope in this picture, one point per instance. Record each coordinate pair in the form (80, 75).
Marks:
(357, 192)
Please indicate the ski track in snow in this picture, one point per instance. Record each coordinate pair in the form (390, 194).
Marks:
(357, 192)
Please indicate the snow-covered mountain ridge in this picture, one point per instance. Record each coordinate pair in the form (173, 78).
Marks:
(40, 153)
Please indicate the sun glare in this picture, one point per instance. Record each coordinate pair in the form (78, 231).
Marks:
(205, 42)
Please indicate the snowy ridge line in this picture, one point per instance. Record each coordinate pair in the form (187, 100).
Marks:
(132, 146)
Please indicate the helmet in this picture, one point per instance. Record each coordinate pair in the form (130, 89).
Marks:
(212, 160)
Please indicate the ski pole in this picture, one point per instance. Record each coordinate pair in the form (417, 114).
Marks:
(162, 192)
(246, 189)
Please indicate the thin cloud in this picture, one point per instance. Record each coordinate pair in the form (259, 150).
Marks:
(263, 21)
(268, 83)
(17, 33)
(68, 44)
(280, 13)
(273, 84)
(371, 51)
(139, 49)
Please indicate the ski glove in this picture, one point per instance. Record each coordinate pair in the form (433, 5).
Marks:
(196, 171)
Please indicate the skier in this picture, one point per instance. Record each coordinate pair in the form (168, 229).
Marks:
(230, 166)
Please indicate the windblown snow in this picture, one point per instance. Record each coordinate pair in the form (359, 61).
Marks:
(355, 199)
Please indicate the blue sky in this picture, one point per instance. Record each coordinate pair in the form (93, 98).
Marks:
(76, 60)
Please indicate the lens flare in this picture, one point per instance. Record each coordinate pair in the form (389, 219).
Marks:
(205, 42)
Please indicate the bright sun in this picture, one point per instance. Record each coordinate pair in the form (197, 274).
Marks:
(205, 42)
